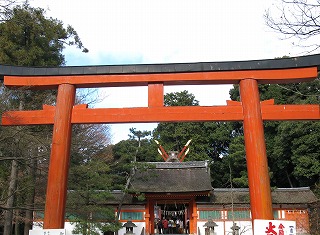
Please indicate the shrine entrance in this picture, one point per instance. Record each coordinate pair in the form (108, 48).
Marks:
(174, 208)
(250, 110)
(171, 208)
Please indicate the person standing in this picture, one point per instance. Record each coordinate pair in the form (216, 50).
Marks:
(170, 225)
(177, 224)
(165, 225)
(160, 226)
(188, 226)
(181, 227)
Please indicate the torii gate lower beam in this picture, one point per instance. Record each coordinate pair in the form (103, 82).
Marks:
(230, 112)
(252, 112)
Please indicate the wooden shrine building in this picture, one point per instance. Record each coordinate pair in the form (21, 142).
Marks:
(182, 190)
(172, 189)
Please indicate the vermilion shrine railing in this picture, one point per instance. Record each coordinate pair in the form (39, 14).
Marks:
(248, 74)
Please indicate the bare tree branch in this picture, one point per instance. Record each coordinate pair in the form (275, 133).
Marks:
(298, 19)
(5, 8)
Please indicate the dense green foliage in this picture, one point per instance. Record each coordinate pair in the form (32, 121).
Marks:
(210, 141)
(89, 188)
(292, 146)
(28, 38)
(139, 148)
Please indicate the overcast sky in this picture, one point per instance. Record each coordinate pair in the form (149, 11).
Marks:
(166, 31)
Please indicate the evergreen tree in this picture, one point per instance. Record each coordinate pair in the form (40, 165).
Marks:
(173, 136)
(27, 38)
(292, 146)
(210, 140)
(89, 190)
(139, 148)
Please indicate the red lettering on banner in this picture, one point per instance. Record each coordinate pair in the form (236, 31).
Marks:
(270, 229)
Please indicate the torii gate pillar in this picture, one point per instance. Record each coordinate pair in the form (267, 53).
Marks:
(54, 214)
(257, 164)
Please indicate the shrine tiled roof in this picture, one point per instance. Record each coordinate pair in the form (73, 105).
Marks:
(226, 196)
(173, 177)
(279, 196)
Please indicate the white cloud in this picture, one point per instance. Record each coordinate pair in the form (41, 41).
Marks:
(166, 31)
(170, 30)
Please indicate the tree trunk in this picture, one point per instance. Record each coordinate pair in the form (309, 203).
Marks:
(12, 187)
(30, 197)
(288, 177)
(123, 196)
(17, 222)
(133, 171)
(8, 217)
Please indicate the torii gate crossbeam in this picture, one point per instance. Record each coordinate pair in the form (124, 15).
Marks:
(231, 112)
(248, 74)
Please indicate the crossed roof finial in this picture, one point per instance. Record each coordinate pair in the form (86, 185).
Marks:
(173, 156)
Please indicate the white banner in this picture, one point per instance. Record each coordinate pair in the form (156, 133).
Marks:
(274, 227)
(48, 232)
(173, 213)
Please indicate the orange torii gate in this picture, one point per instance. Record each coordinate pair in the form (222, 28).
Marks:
(248, 74)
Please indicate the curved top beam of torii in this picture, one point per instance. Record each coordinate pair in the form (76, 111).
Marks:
(285, 70)
(283, 63)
